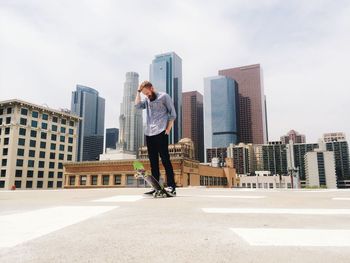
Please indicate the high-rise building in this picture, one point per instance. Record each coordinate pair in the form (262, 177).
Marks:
(334, 136)
(252, 103)
(220, 153)
(166, 76)
(88, 105)
(293, 136)
(220, 112)
(192, 121)
(243, 158)
(112, 135)
(341, 158)
(320, 168)
(35, 141)
(130, 119)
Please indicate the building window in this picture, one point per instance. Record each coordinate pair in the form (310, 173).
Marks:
(0, 121)
(45, 116)
(42, 145)
(50, 184)
(69, 157)
(31, 163)
(4, 162)
(53, 137)
(5, 151)
(2, 184)
(53, 146)
(44, 125)
(52, 156)
(54, 119)
(94, 179)
(20, 152)
(33, 134)
(32, 143)
(8, 120)
(43, 135)
(18, 173)
(117, 179)
(21, 131)
(61, 156)
(82, 179)
(54, 127)
(71, 123)
(63, 121)
(62, 139)
(31, 153)
(29, 184)
(19, 162)
(59, 184)
(35, 114)
(271, 185)
(41, 164)
(70, 149)
(1, 111)
(30, 173)
(72, 180)
(71, 131)
(51, 165)
(59, 175)
(70, 140)
(60, 165)
(7, 141)
(3, 173)
(24, 111)
(51, 174)
(18, 184)
(40, 174)
(105, 179)
(39, 184)
(34, 124)
(7, 131)
(130, 179)
(62, 147)
(41, 154)
(23, 121)
(63, 130)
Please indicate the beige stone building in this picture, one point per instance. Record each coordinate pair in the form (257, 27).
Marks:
(34, 142)
(120, 173)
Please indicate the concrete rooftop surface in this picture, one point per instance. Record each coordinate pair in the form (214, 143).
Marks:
(199, 225)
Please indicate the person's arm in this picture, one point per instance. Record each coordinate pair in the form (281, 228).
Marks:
(172, 113)
(138, 103)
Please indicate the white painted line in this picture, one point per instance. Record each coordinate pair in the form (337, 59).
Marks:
(120, 198)
(294, 237)
(229, 196)
(341, 198)
(22, 227)
(277, 211)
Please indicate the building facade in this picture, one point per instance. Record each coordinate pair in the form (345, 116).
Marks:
(112, 135)
(334, 137)
(252, 107)
(192, 121)
(166, 76)
(35, 141)
(220, 112)
(130, 119)
(293, 136)
(243, 157)
(87, 104)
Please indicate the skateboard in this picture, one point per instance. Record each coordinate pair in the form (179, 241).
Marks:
(142, 173)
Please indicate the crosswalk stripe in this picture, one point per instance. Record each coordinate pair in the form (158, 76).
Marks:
(229, 196)
(294, 237)
(277, 211)
(341, 198)
(21, 227)
(120, 198)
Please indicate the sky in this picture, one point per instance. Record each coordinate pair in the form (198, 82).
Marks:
(48, 47)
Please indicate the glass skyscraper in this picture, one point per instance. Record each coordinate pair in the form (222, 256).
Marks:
(87, 104)
(220, 112)
(166, 76)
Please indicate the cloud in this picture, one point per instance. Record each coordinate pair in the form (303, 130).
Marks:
(47, 47)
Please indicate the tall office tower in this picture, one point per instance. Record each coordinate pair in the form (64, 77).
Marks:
(130, 119)
(252, 103)
(166, 76)
(320, 168)
(334, 136)
(220, 112)
(192, 121)
(112, 135)
(293, 136)
(88, 105)
(35, 141)
(341, 157)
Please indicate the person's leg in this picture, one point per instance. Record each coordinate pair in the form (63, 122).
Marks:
(153, 156)
(164, 155)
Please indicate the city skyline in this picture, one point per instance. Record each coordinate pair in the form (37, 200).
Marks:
(301, 46)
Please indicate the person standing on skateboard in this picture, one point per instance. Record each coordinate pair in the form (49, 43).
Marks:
(160, 119)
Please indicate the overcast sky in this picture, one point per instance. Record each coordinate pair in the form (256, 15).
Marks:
(47, 47)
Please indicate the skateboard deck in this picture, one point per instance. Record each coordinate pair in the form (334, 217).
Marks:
(142, 173)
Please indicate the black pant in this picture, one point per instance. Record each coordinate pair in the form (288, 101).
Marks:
(158, 145)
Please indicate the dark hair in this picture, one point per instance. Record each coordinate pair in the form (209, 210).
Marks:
(145, 84)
